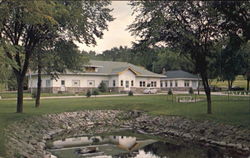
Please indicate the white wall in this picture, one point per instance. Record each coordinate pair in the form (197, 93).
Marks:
(111, 81)
(33, 82)
(181, 83)
(83, 80)
(126, 76)
(148, 80)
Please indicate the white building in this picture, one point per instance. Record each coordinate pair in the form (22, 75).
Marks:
(118, 76)
(180, 80)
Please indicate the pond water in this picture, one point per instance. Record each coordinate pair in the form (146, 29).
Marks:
(124, 146)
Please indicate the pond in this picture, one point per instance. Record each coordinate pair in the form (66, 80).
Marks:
(130, 145)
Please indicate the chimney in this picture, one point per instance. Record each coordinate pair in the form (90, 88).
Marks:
(164, 71)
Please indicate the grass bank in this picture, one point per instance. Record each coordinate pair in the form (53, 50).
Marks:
(240, 81)
(236, 111)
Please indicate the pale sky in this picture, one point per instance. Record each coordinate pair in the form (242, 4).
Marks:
(116, 34)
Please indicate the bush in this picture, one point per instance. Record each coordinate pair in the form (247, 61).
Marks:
(34, 95)
(130, 93)
(102, 87)
(170, 92)
(95, 92)
(88, 94)
(191, 91)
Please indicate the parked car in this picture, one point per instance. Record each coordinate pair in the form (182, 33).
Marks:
(150, 91)
(237, 88)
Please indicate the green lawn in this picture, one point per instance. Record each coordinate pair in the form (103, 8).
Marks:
(240, 81)
(236, 111)
(26, 94)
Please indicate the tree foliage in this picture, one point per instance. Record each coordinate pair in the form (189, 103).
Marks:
(189, 27)
(103, 87)
(230, 61)
(28, 23)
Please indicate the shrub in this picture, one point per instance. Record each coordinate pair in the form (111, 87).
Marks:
(95, 92)
(170, 92)
(130, 93)
(34, 95)
(191, 91)
(88, 94)
(102, 87)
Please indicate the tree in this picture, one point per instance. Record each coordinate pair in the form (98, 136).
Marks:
(230, 60)
(56, 58)
(190, 27)
(103, 87)
(235, 20)
(245, 50)
(235, 17)
(171, 60)
(28, 23)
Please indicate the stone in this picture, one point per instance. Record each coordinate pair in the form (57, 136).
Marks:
(29, 136)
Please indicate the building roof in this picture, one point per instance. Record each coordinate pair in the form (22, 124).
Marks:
(180, 74)
(114, 67)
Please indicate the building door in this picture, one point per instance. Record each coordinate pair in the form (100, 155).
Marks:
(63, 85)
(127, 88)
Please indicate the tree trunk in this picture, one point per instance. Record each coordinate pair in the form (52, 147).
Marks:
(230, 84)
(248, 80)
(20, 80)
(208, 93)
(39, 83)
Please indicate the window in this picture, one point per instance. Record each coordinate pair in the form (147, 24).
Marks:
(161, 84)
(47, 83)
(171, 83)
(176, 83)
(132, 83)
(166, 83)
(121, 82)
(152, 84)
(127, 84)
(63, 82)
(90, 83)
(142, 84)
(75, 83)
(155, 84)
(186, 83)
(113, 83)
(90, 69)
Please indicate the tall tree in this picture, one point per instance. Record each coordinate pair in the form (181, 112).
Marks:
(189, 27)
(236, 20)
(26, 24)
(245, 50)
(55, 58)
(230, 60)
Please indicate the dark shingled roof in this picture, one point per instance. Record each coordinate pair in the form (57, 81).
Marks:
(114, 67)
(179, 74)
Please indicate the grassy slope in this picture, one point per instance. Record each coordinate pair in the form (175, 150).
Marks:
(240, 81)
(235, 111)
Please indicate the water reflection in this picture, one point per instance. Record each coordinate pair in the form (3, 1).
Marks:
(128, 146)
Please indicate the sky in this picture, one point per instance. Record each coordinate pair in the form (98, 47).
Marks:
(117, 35)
